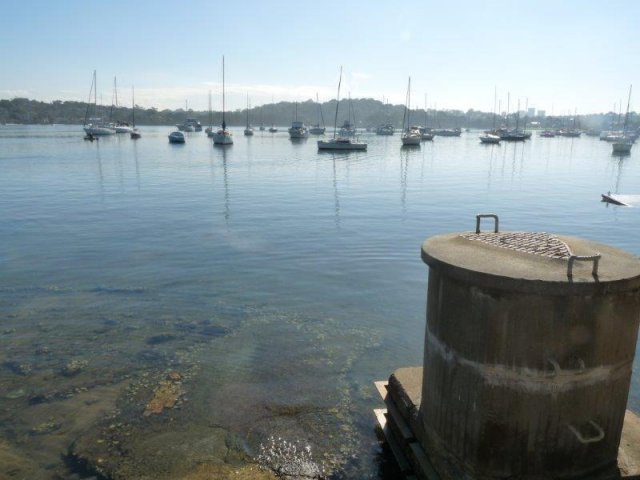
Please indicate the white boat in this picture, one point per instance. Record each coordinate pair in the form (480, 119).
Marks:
(135, 134)
(317, 129)
(248, 131)
(223, 136)
(176, 137)
(622, 148)
(426, 134)
(298, 129)
(190, 125)
(98, 129)
(340, 143)
(411, 136)
(623, 145)
(94, 126)
(122, 127)
(489, 138)
(386, 129)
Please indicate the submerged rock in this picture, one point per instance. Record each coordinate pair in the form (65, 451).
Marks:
(165, 395)
(74, 367)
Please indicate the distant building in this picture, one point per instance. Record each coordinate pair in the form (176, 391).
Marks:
(542, 113)
(531, 112)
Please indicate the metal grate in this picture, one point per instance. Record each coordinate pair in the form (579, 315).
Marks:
(537, 243)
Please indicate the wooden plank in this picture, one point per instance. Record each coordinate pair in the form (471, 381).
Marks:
(401, 459)
(381, 386)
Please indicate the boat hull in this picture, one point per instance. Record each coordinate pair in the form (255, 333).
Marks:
(317, 130)
(222, 138)
(411, 140)
(622, 148)
(99, 131)
(176, 137)
(490, 139)
(340, 145)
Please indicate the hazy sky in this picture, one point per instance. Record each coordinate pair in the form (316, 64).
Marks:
(558, 54)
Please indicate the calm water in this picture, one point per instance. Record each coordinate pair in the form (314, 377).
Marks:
(277, 281)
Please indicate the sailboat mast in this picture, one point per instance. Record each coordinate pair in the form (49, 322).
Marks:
(224, 124)
(335, 120)
(247, 110)
(133, 107)
(495, 96)
(93, 81)
(210, 114)
(626, 115)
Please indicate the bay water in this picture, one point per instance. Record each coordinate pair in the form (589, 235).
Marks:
(273, 283)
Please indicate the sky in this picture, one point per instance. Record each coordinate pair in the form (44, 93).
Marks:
(558, 56)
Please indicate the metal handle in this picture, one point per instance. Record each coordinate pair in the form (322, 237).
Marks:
(590, 258)
(487, 215)
(584, 440)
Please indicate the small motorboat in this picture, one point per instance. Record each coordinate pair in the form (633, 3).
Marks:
(176, 137)
(489, 138)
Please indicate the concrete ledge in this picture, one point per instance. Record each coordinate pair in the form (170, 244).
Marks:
(402, 429)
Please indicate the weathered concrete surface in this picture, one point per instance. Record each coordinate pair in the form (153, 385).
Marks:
(405, 388)
(489, 266)
(629, 453)
(527, 371)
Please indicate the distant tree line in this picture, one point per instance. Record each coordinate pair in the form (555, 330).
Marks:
(367, 112)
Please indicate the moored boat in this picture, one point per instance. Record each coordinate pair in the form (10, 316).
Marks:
(298, 129)
(489, 138)
(386, 129)
(223, 136)
(340, 143)
(94, 126)
(176, 137)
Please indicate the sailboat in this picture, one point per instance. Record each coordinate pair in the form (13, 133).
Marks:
(491, 137)
(426, 132)
(248, 131)
(348, 128)
(135, 133)
(95, 127)
(298, 129)
(272, 129)
(209, 129)
(223, 136)
(317, 129)
(120, 126)
(261, 122)
(410, 135)
(340, 143)
(623, 146)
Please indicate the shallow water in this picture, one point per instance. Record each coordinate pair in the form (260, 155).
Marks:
(278, 281)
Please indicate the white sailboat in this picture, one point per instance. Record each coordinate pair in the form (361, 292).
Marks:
(623, 146)
(93, 126)
(273, 128)
(298, 129)
(411, 136)
(223, 136)
(135, 133)
(340, 143)
(248, 131)
(118, 125)
(317, 129)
